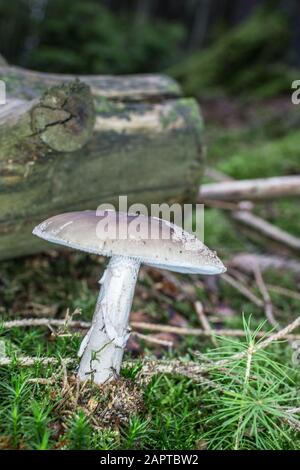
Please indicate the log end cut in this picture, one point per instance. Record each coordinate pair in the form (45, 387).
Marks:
(64, 116)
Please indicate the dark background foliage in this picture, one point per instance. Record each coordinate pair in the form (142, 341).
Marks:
(114, 36)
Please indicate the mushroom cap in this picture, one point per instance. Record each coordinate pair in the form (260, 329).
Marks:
(153, 241)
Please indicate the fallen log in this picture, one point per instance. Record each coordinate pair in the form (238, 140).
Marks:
(263, 188)
(146, 144)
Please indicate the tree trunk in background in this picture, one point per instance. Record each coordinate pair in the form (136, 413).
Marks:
(292, 8)
(31, 42)
(200, 25)
(146, 143)
(2, 61)
(143, 12)
(242, 9)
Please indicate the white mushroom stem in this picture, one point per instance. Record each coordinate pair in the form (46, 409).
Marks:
(102, 348)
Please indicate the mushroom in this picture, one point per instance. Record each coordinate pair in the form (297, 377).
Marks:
(129, 240)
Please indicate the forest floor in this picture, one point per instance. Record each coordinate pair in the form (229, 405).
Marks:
(251, 401)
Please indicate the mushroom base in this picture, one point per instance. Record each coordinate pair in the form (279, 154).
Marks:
(102, 348)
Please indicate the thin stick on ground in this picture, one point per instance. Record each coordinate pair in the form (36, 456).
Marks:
(204, 322)
(243, 290)
(283, 291)
(155, 327)
(246, 261)
(266, 296)
(250, 352)
(174, 365)
(151, 339)
(260, 228)
(259, 188)
(28, 361)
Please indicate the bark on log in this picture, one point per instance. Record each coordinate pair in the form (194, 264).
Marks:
(264, 188)
(146, 144)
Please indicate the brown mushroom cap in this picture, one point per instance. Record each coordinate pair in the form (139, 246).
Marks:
(111, 233)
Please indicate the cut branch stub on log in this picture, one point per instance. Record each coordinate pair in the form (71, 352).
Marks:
(61, 120)
(64, 118)
(146, 144)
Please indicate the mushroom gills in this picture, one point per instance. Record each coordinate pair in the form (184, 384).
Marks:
(102, 348)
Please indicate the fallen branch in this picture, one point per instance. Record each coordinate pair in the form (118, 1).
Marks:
(45, 322)
(268, 306)
(284, 291)
(204, 322)
(167, 366)
(157, 327)
(216, 175)
(228, 206)
(258, 227)
(28, 361)
(151, 339)
(263, 188)
(267, 230)
(242, 289)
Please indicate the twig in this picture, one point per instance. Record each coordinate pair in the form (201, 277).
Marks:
(42, 380)
(292, 422)
(190, 370)
(228, 206)
(250, 352)
(216, 175)
(283, 291)
(246, 261)
(204, 322)
(266, 229)
(173, 364)
(279, 335)
(242, 289)
(141, 326)
(262, 188)
(266, 296)
(151, 339)
(293, 410)
(45, 322)
(259, 226)
(28, 361)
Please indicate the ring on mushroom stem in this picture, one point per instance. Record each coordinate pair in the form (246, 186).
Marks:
(154, 242)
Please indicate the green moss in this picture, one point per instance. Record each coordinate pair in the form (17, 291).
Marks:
(220, 233)
(104, 106)
(278, 157)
